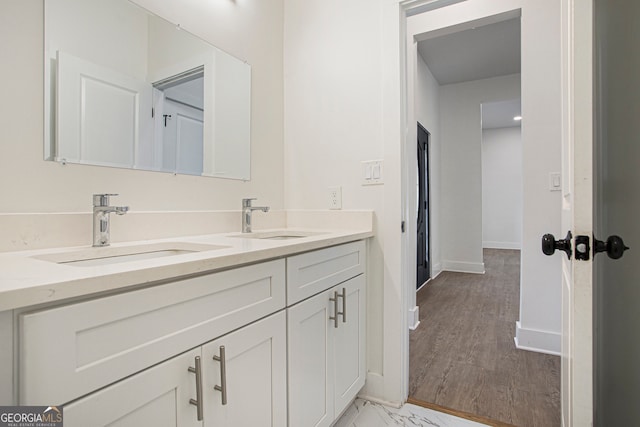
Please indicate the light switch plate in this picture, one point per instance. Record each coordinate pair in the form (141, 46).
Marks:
(372, 172)
(555, 181)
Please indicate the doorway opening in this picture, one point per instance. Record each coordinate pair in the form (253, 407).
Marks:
(462, 351)
(502, 163)
(178, 110)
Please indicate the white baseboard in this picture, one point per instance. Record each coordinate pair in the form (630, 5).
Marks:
(538, 341)
(414, 317)
(382, 402)
(463, 267)
(373, 388)
(436, 270)
(502, 245)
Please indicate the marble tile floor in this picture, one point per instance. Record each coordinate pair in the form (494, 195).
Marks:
(364, 413)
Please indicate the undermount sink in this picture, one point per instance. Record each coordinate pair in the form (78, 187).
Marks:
(278, 234)
(92, 257)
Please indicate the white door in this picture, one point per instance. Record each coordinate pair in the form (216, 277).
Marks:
(310, 369)
(617, 202)
(255, 371)
(600, 305)
(577, 337)
(159, 396)
(101, 113)
(182, 138)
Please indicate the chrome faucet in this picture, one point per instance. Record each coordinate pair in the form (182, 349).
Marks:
(246, 213)
(101, 211)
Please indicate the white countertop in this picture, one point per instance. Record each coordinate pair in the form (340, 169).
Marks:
(26, 280)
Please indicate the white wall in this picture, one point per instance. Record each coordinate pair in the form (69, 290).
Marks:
(98, 24)
(502, 188)
(333, 121)
(248, 30)
(169, 49)
(461, 133)
(428, 114)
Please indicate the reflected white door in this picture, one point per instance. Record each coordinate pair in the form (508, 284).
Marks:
(101, 113)
(577, 337)
(182, 138)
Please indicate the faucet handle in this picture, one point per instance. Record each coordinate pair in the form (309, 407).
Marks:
(246, 203)
(121, 210)
(102, 199)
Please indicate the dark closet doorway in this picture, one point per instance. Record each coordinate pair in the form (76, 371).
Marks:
(424, 229)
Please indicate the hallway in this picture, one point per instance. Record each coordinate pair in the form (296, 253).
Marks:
(463, 357)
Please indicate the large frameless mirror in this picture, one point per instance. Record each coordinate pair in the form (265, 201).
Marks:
(127, 89)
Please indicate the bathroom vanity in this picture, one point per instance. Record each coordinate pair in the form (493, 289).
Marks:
(258, 329)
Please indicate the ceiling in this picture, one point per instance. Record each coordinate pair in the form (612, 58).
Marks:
(482, 52)
(478, 53)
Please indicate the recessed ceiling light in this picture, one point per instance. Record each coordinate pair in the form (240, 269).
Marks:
(517, 118)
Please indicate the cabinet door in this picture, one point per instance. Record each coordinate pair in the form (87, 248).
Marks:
(256, 376)
(349, 343)
(310, 370)
(156, 397)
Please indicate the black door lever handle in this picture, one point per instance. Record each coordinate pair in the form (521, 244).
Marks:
(550, 244)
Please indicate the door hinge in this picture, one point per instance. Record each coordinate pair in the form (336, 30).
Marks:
(402, 226)
(583, 248)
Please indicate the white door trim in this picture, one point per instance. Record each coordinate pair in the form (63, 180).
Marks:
(577, 349)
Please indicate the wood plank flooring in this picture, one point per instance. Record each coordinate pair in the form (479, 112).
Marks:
(463, 355)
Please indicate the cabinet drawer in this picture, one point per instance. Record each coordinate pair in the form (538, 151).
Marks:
(313, 272)
(69, 351)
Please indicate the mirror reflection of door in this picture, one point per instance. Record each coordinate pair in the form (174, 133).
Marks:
(179, 122)
(182, 138)
(423, 252)
(101, 114)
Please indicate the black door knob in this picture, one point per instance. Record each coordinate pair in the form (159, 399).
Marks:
(614, 247)
(550, 244)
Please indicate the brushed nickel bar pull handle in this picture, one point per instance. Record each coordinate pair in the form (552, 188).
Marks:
(344, 305)
(335, 309)
(223, 374)
(198, 400)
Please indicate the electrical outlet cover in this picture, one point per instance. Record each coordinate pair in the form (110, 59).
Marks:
(335, 197)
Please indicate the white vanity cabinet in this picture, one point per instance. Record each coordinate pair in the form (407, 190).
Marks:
(166, 394)
(278, 343)
(326, 349)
